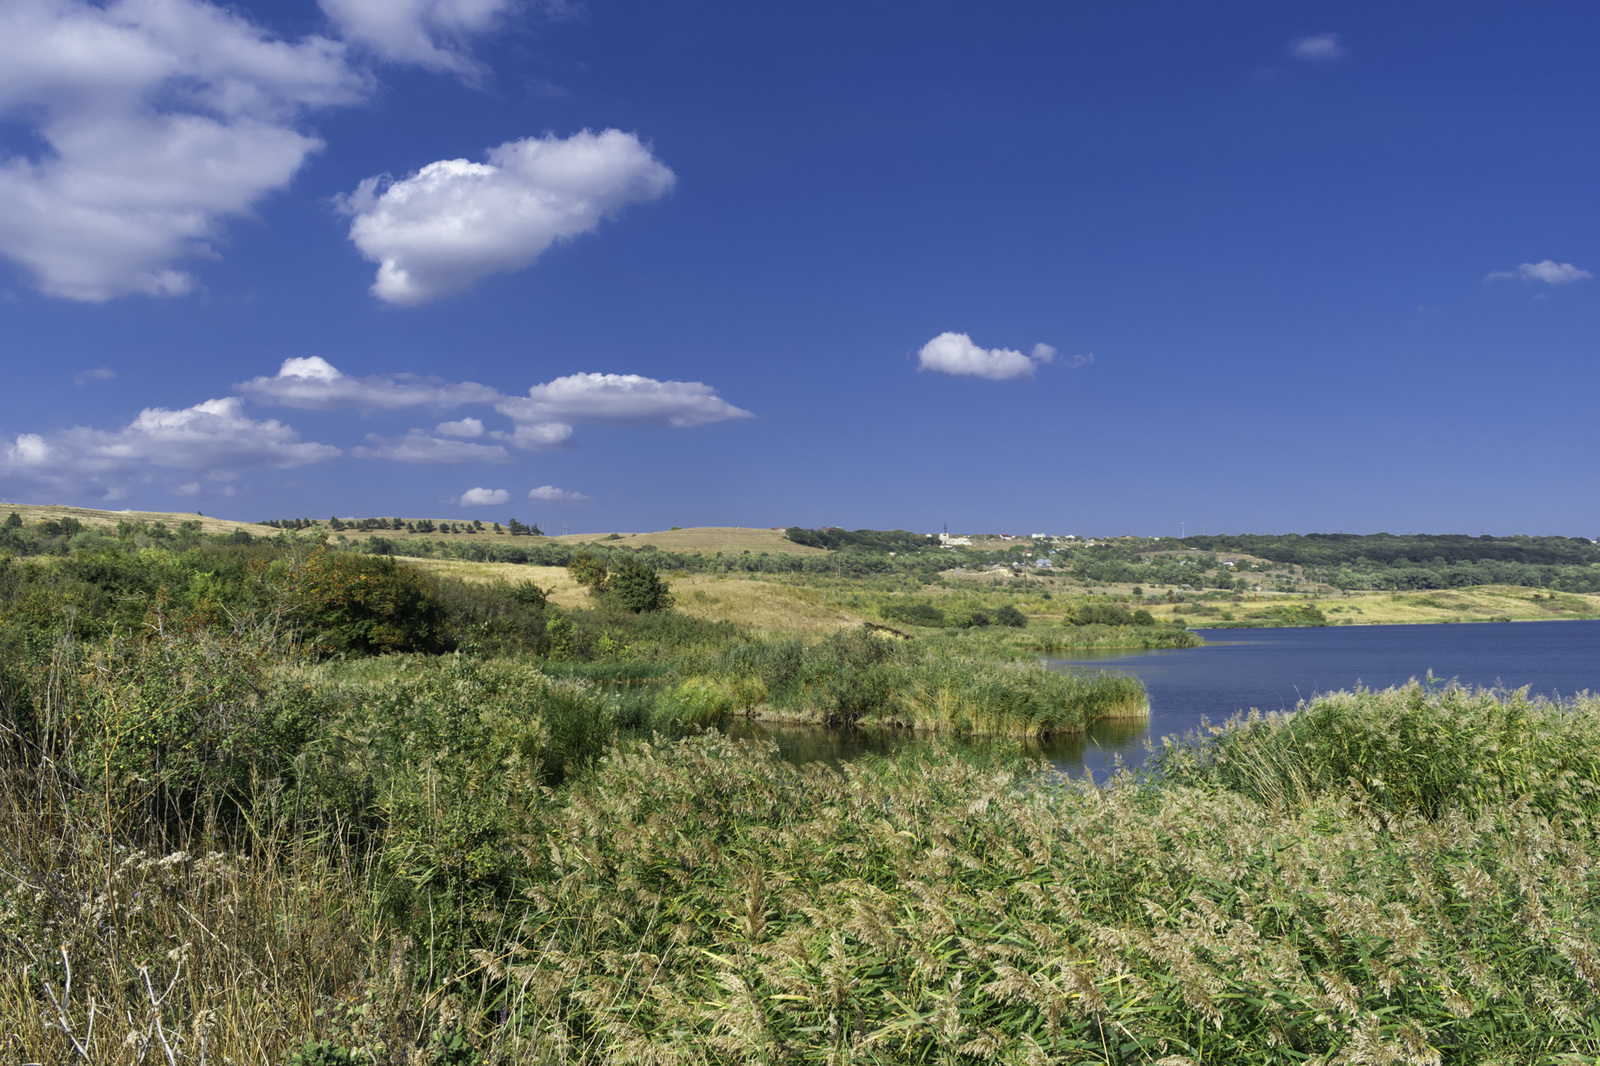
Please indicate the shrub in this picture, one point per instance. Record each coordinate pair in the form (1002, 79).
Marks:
(634, 585)
(1010, 616)
(1105, 614)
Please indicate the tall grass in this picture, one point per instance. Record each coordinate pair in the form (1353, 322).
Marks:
(1261, 899)
(1423, 748)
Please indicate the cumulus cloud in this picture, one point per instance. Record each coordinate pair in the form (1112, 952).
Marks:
(312, 383)
(434, 34)
(418, 447)
(620, 399)
(466, 427)
(551, 494)
(1546, 270)
(484, 497)
(1317, 48)
(955, 353)
(158, 119)
(455, 222)
(537, 436)
(214, 437)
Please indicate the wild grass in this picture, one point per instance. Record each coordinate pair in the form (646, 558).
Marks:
(1409, 876)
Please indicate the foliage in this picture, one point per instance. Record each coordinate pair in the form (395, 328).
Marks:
(634, 585)
(873, 540)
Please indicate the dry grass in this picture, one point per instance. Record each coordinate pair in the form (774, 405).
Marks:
(33, 512)
(1482, 603)
(564, 591)
(765, 606)
(704, 540)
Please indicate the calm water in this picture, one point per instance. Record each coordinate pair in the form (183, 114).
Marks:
(1273, 669)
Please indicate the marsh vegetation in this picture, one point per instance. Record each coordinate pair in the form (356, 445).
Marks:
(270, 802)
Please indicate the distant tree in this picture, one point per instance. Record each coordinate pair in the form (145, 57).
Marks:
(13, 521)
(1010, 616)
(1105, 614)
(588, 571)
(526, 592)
(334, 524)
(635, 585)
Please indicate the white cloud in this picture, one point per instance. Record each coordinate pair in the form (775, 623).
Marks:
(99, 373)
(418, 447)
(484, 497)
(620, 399)
(159, 119)
(1079, 360)
(455, 222)
(1318, 48)
(537, 436)
(545, 418)
(551, 494)
(955, 353)
(1546, 270)
(433, 34)
(214, 437)
(312, 383)
(466, 427)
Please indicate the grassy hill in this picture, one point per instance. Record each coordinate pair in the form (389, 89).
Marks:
(48, 512)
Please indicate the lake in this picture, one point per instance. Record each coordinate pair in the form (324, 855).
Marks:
(1270, 670)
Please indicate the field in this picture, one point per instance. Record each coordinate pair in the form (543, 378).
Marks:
(705, 540)
(766, 607)
(1484, 603)
(101, 519)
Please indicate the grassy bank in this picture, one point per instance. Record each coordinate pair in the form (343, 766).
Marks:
(1344, 885)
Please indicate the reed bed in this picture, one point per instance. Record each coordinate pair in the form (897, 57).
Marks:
(463, 864)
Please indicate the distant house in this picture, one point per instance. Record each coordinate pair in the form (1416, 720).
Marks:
(1043, 563)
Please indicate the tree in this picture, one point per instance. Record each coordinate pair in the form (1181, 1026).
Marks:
(635, 585)
(588, 571)
(1010, 616)
(13, 521)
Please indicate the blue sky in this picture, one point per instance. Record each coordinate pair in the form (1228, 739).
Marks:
(1092, 268)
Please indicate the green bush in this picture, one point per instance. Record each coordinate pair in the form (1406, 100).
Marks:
(1010, 616)
(634, 585)
(1104, 614)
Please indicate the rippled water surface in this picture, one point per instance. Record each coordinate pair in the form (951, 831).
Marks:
(1273, 669)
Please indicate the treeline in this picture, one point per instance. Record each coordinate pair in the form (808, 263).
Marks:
(851, 562)
(1424, 550)
(871, 540)
(419, 525)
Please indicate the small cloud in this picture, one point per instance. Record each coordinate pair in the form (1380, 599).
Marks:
(618, 400)
(1546, 270)
(314, 384)
(484, 497)
(551, 494)
(956, 354)
(1318, 48)
(99, 373)
(191, 488)
(466, 427)
(418, 447)
(1081, 359)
